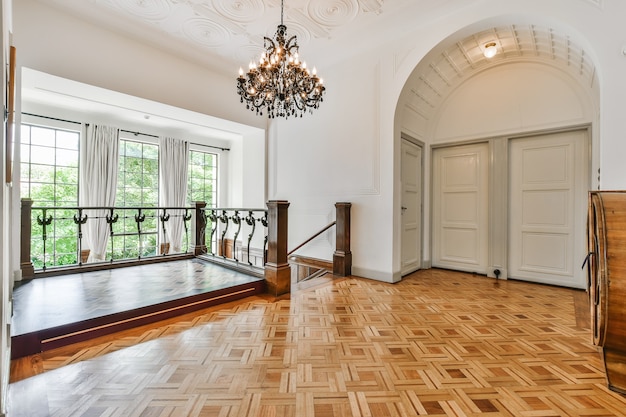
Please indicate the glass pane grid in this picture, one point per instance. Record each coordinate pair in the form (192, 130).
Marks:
(138, 186)
(49, 176)
(202, 178)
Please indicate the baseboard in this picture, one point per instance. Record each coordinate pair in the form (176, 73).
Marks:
(375, 275)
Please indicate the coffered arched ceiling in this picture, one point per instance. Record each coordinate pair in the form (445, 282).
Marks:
(458, 59)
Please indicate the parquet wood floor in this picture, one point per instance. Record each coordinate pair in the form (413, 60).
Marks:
(438, 343)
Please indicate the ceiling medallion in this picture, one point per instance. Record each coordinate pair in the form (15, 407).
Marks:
(281, 84)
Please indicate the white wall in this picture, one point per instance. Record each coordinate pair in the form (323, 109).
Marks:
(512, 98)
(334, 155)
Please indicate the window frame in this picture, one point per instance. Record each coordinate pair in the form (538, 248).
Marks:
(56, 235)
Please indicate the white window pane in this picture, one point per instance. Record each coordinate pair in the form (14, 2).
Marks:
(41, 136)
(67, 140)
(67, 158)
(41, 155)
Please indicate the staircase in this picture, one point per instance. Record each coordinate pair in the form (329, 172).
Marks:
(304, 268)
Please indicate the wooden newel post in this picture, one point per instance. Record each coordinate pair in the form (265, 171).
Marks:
(199, 228)
(277, 269)
(342, 258)
(26, 264)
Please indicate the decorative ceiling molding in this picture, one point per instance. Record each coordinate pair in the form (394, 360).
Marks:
(206, 32)
(241, 11)
(374, 6)
(333, 13)
(223, 26)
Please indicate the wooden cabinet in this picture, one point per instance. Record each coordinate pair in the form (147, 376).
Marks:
(607, 281)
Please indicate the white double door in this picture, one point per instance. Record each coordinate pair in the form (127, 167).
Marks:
(547, 200)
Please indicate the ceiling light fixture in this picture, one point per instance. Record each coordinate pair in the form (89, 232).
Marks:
(281, 83)
(490, 50)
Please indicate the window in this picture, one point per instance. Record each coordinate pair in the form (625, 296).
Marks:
(202, 183)
(137, 186)
(202, 178)
(49, 176)
(49, 173)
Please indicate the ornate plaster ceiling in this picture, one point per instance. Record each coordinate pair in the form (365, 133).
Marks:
(233, 30)
(227, 34)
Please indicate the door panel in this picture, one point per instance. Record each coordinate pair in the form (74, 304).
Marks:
(460, 207)
(411, 178)
(547, 200)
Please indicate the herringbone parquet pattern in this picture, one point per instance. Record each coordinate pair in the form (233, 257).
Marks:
(438, 343)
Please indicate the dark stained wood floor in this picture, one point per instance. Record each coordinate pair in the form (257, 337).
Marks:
(56, 311)
(438, 343)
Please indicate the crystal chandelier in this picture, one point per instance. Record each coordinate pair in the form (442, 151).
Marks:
(281, 83)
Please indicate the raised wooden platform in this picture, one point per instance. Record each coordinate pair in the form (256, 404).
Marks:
(57, 311)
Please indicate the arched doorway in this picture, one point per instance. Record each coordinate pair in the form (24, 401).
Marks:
(456, 97)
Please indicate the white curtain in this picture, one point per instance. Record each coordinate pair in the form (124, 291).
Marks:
(98, 182)
(173, 165)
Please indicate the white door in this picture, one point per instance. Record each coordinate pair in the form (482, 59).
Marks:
(548, 177)
(411, 180)
(460, 207)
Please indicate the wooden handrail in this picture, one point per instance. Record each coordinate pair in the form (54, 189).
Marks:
(311, 238)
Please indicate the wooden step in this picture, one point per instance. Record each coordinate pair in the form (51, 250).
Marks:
(304, 268)
(81, 330)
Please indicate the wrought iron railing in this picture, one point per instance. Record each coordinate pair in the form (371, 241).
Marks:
(133, 233)
(237, 235)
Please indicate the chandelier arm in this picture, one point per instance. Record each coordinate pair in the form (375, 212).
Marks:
(270, 40)
(299, 106)
(288, 44)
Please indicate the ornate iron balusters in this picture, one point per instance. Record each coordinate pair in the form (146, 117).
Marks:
(128, 241)
(236, 220)
(44, 222)
(139, 218)
(164, 218)
(241, 218)
(111, 219)
(264, 223)
(224, 219)
(251, 221)
(79, 221)
(186, 218)
(213, 217)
